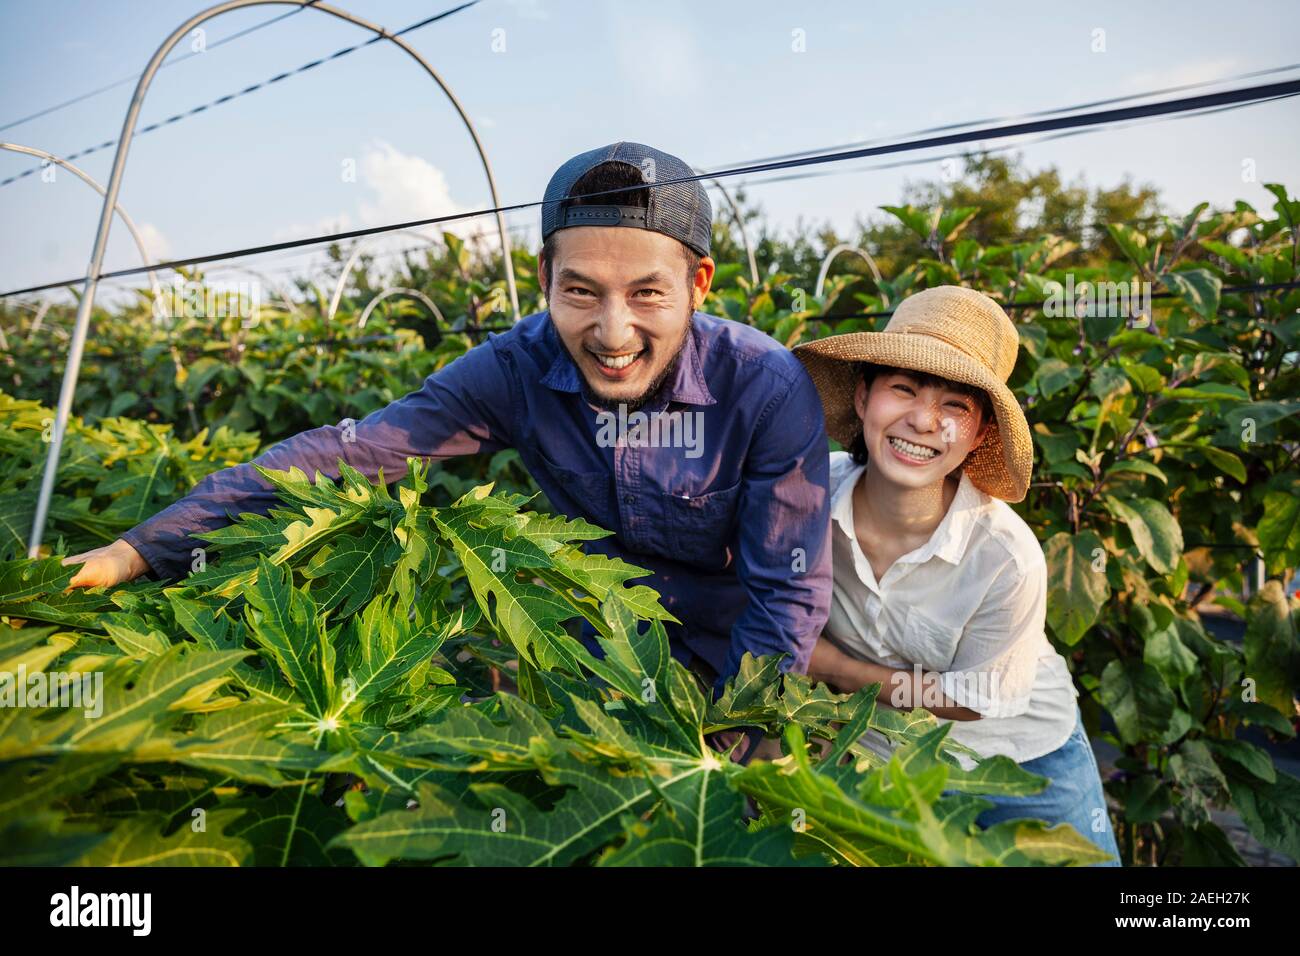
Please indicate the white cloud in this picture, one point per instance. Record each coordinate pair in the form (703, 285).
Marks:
(393, 187)
(402, 187)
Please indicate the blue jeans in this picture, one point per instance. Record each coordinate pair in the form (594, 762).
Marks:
(1074, 795)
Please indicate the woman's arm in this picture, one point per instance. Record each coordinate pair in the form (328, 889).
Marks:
(900, 688)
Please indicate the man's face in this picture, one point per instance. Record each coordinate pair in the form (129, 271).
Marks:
(621, 302)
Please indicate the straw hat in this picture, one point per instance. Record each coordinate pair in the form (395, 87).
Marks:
(954, 333)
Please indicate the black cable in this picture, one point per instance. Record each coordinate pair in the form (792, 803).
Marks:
(135, 77)
(1038, 114)
(291, 271)
(1240, 97)
(177, 117)
(1050, 137)
(824, 173)
(1039, 303)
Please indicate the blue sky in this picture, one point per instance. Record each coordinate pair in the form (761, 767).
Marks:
(715, 83)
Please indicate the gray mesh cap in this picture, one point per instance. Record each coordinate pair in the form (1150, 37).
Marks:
(680, 210)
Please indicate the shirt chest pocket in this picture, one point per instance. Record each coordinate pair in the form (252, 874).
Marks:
(700, 526)
(592, 492)
(929, 643)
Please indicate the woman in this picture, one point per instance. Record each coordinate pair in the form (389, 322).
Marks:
(940, 588)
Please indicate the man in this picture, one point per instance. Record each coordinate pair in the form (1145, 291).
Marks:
(729, 513)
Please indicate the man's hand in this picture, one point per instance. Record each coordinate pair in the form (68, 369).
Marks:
(108, 566)
(723, 740)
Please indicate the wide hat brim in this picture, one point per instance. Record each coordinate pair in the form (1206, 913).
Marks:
(1002, 463)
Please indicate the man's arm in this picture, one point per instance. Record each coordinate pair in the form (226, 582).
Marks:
(462, 409)
(784, 559)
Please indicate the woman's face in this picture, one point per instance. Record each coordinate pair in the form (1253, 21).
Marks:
(915, 435)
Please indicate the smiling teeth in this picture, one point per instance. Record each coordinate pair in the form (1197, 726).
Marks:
(913, 451)
(617, 362)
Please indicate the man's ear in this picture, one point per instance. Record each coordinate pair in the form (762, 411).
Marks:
(702, 282)
(542, 267)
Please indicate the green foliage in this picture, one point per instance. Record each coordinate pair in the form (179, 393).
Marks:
(265, 367)
(1165, 457)
(297, 703)
(111, 476)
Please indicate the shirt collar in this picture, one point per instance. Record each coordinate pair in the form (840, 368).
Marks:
(842, 499)
(687, 386)
(949, 540)
(563, 374)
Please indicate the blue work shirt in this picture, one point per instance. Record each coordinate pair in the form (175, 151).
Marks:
(734, 527)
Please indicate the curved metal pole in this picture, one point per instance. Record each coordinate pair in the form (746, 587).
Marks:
(160, 307)
(94, 184)
(740, 224)
(410, 293)
(40, 314)
(69, 387)
(40, 317)
(826, 266)
(351, 260)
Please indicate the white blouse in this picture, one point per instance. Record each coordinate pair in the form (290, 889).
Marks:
(970, 604)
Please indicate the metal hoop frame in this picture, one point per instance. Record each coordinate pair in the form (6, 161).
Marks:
(351, 260)
(407, 293)
(830, 257)
(78, 344)
(98, 187)
(740, 225)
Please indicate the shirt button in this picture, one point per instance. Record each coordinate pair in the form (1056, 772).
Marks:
(628, 499)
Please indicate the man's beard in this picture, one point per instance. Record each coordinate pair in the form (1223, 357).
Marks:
(651, 393)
